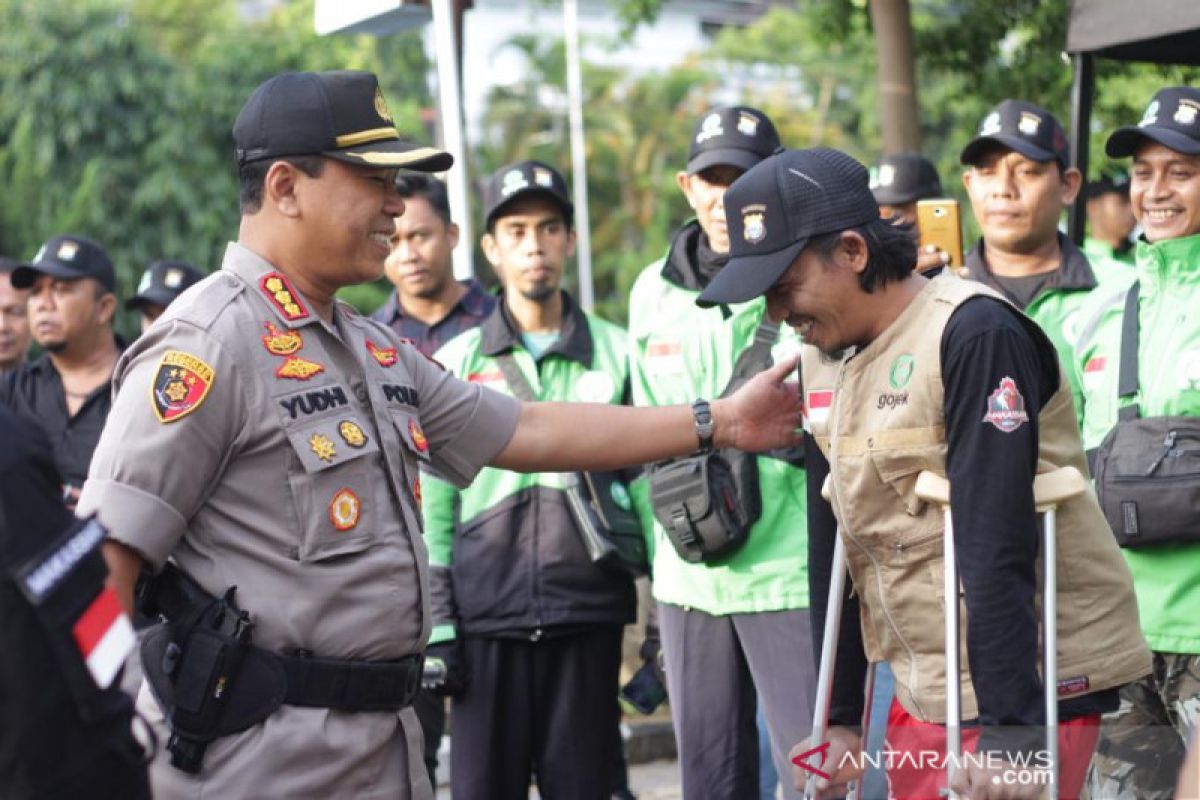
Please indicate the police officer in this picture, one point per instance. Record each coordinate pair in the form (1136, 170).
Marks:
(161, 284)
(737, 628)
(64, 723)
(511, 579)
(944, 375)
(287, 464)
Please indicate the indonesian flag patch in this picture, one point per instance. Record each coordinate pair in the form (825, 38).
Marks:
(105, 637)
(180, 385)
(1006, 407)
(817, 407)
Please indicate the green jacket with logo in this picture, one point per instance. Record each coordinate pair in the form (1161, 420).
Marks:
(1056, 308)
(506, 558)
(682, 352)
(1166, 577)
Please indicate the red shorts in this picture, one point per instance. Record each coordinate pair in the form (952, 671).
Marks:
(911, 778)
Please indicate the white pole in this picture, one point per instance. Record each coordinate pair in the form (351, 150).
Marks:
(583, 227)
(454, 138)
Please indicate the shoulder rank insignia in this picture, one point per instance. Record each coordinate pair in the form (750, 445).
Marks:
(298, 369)
(322, 446)
(282, 343)
(352, 434)
(344, 510)
(418, 436)
(180, 385)
(386, 356)
(283, 296)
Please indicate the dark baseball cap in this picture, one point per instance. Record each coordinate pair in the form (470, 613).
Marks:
(775, 208)
(904, 178)
(522, 179)
(1024, 127)
(1172, 119)
(68, 257)
(162, 282)
(340, 114)
(1108, 184)
(737, 136)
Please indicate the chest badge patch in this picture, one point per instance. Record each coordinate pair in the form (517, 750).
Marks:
(282, 343)
(384, 356)
(418, 436)
(322, 446)
(283, 296)
(344, 510)
(180, 385)
(352, 434)
(1006, 407)
(298, 369)
(417, 490)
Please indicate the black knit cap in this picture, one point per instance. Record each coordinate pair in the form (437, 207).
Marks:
(340, 114)
(775, 208)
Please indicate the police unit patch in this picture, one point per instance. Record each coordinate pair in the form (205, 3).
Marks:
(322, 446)
(282, 343)
(344, 510)
(417, 489)
(1006, 407)
(298, 369)
(384, 356)
(281, 294)
(418, 436)
(180, 385)
(352, 434)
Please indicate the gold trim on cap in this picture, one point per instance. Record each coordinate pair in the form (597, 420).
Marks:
(396, 159)
(362, 137)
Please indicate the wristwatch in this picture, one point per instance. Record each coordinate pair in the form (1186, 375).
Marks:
(704, 424)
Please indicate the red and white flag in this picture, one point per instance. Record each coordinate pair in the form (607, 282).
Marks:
(105, 637)
(816, 408)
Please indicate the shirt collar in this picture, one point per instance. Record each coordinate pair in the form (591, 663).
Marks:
(272, 286)
(500, 333)
(474, 301)
(1074, 271)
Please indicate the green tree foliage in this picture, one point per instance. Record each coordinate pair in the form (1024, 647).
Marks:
(116, 117)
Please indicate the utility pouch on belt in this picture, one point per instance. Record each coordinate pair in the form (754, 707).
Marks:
(599, 502)
(708, 502)
(1147, 470)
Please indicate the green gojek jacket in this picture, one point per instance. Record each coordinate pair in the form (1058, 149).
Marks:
(505, 556)
(1166, 577)
(681, 352)
(1057, 307)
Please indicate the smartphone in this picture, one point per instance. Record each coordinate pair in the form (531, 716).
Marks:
(939, 225)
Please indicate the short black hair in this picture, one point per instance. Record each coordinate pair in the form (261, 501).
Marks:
(891, 251)
(416, 184)
(252, 174)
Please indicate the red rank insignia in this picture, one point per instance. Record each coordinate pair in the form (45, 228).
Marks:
(385, 356)
(417, 490)
(180, 385)
(418, 436)
(283, 296)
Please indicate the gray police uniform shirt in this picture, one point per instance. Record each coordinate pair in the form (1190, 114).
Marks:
(263, 448)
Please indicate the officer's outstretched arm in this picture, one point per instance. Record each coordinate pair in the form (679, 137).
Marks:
(124, 566)
(764, 414)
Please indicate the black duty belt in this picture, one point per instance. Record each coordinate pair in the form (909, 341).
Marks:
(351, 685)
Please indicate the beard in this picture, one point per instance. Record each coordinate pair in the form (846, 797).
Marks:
(54, 346)
(539, 292)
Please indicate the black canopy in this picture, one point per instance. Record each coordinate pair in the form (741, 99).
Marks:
(1158, 31)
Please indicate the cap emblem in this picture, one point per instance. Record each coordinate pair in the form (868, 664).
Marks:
(1029, 123)
(1185, 114)
(747, 124)
(542, 177)
(514, 181)
(887, 175)
(67, 250)
(173, 278)
(145, 282)
(709, 128)
(991, 124)
(381, 107)
(1151, 115)
(754, 229)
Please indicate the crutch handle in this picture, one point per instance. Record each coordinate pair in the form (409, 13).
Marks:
(933, 488)
(1051, 489)
(827, 490)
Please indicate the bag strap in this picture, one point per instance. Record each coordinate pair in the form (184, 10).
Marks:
(1127, 382)
(518, 384)
(756, 357)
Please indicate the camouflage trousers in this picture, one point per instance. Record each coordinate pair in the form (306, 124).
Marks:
(1142, 743)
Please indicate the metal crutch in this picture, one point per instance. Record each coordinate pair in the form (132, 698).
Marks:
(1050, 490)
(833, 621)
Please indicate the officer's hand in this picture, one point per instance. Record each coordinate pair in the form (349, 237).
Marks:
(763, 414)
(978, 779)
(931, 257)
(450, 656)
(839, 757)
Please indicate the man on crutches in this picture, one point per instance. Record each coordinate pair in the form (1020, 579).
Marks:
(945, 376)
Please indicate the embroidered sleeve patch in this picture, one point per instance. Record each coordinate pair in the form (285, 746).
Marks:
(180, 385)
(384, 356)
(1006, 407)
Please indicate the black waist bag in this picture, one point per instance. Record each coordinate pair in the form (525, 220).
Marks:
(1147, 470)
(1148, 480)
(707, 503)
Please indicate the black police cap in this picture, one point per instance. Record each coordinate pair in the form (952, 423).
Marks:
(904, 178)
(1172, 119)
(162, 282)
(70, 258)
(522, 179)
(1024, 127)
(340, 114)
(738, 136)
